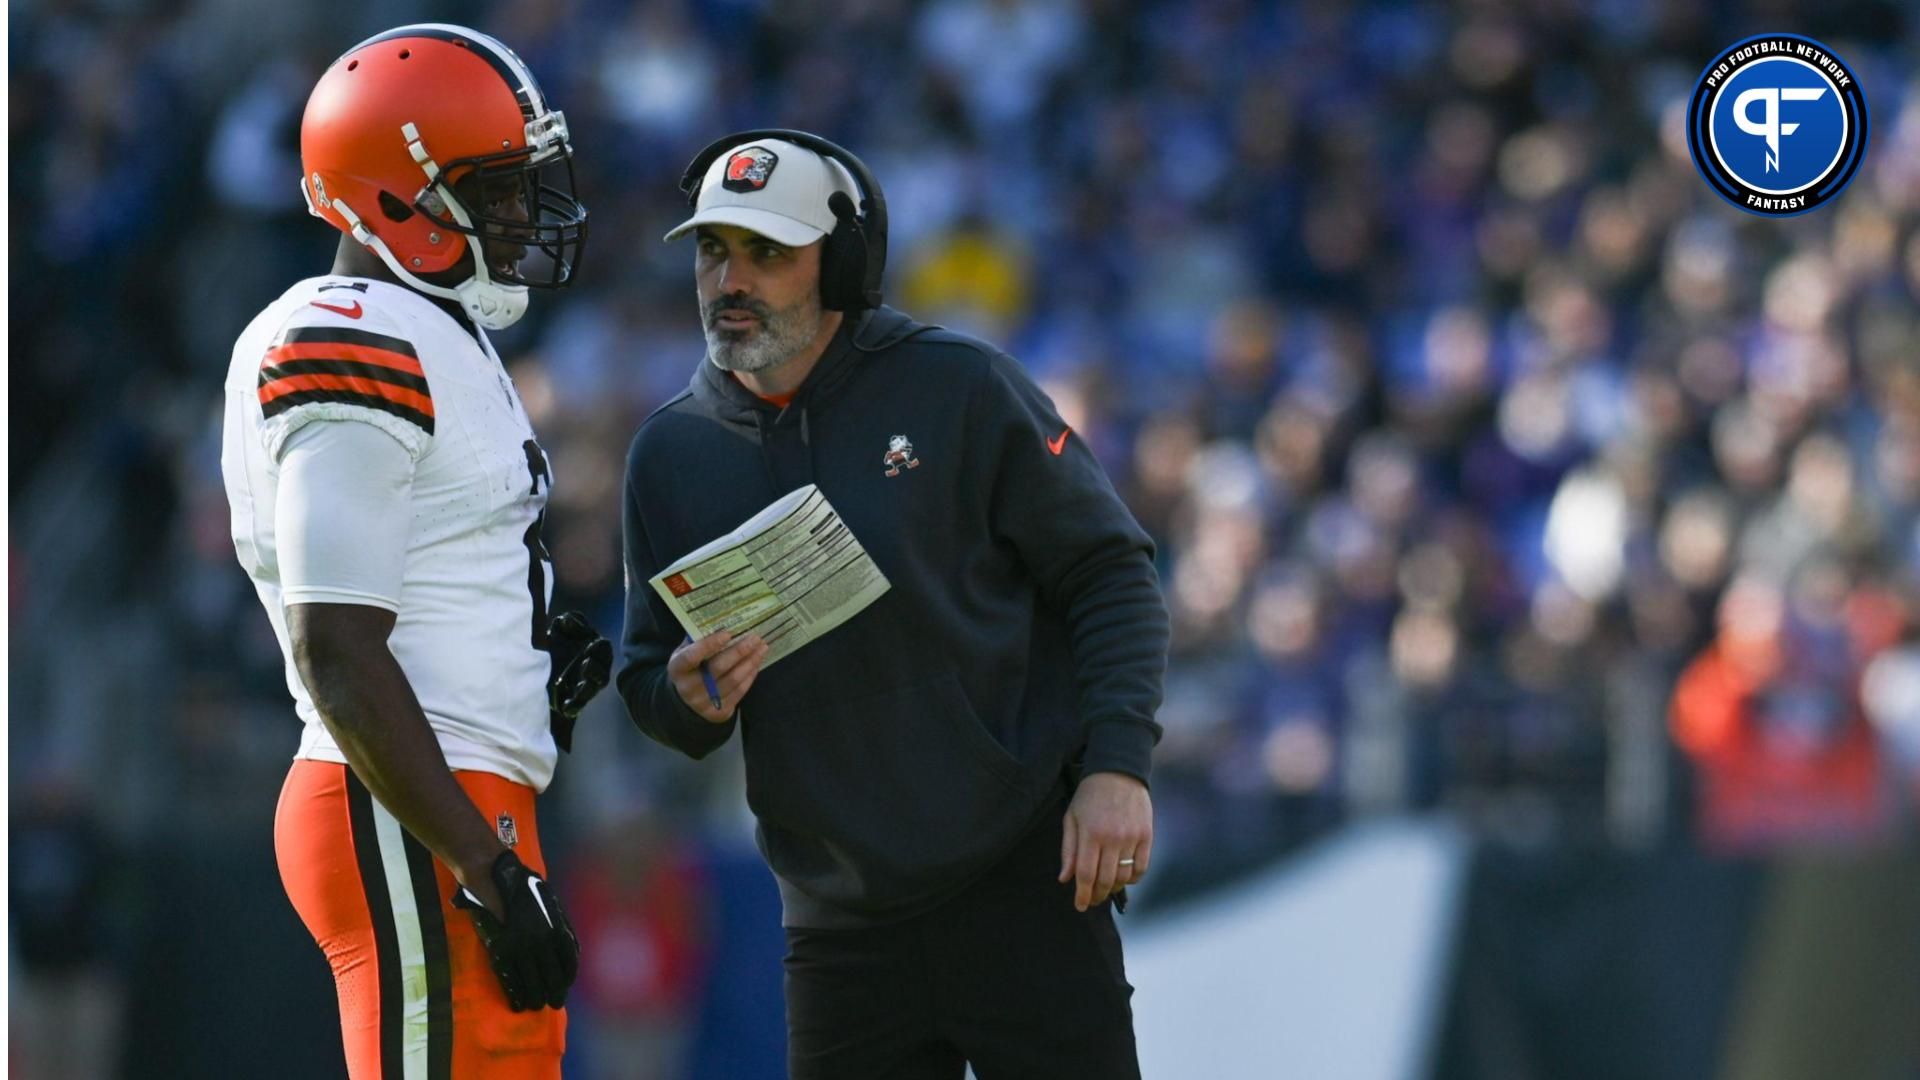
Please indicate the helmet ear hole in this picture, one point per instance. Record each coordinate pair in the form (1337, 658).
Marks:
(394, 208)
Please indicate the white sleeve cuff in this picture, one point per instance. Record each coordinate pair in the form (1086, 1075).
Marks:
(323, 595)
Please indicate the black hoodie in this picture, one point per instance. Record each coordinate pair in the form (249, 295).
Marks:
(903, 753)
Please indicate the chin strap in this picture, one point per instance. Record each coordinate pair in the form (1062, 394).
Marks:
(492, 305)
(488, 303)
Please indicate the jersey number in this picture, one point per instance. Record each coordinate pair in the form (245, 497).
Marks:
(537, 557)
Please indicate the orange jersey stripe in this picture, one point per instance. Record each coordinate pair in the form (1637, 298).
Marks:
(400, 395)
(365, 354)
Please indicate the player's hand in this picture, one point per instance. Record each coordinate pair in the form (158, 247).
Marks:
(1110, 819)
(582, 663)
(734, 664)
(531, 944)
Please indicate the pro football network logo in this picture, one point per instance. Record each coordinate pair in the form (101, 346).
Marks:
(748, 170)
(1777, 124)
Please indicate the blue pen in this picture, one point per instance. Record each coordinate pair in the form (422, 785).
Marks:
(706, 676)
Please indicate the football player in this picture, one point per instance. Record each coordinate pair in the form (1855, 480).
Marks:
(388, 494)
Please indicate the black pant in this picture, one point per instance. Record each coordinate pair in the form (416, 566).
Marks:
(1006, 976)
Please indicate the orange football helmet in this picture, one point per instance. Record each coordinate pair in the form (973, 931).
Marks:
(405, 116)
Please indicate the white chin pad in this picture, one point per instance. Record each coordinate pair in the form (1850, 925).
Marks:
(490, 304)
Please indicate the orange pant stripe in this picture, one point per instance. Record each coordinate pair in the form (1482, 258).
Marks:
(418, 997)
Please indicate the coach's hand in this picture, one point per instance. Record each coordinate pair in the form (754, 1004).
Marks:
(1110, 820)
(734, 665)
(530, 941)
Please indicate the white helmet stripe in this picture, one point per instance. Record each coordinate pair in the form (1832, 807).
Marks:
(504, 60)
(512, 69)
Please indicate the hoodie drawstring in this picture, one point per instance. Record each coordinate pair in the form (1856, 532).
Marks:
(765, 425)
(806, 440)
(766, 455)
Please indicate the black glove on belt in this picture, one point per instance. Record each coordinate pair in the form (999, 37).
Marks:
(533, 951)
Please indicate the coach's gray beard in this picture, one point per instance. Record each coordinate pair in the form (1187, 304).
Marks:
(782, 334)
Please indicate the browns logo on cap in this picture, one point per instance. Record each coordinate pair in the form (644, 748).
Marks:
(748, 169)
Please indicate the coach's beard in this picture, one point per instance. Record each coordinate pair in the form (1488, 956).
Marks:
(779, 336)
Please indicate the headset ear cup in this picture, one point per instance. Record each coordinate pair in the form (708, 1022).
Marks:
(873, 249)
(842, 268)
(843, 259)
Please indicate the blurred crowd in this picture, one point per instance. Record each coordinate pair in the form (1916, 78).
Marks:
(1495, 464)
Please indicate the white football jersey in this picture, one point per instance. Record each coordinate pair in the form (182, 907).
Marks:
(471, 619)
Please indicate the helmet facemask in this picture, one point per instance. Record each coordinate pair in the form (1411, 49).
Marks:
(519, 198)
(504, 201)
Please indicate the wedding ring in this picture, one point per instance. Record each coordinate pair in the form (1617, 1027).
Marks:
(1126, 862)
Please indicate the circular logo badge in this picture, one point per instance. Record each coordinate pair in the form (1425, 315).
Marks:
(1777, 124)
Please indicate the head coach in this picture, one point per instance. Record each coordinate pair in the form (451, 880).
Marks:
(950, 786)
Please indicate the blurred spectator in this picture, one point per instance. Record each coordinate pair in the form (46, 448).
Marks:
(639, 895)
(65, 1004)
(1770, 715)
(1890, 690)
(971, 277)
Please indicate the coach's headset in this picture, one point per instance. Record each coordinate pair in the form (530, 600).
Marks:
(855, 254)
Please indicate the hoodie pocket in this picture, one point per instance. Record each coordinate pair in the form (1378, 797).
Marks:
(882, 798)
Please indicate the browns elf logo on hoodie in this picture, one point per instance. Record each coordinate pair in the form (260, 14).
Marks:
(748, 169)
(899, 455)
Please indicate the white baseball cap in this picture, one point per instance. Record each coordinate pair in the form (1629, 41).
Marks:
(772, 187)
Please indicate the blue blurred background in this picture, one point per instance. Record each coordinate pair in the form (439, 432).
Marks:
(1542, 534)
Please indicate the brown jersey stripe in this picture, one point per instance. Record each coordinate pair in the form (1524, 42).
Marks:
(340, 350)
(280, 404)
(400, 395)
(344, 335)
(355, 368)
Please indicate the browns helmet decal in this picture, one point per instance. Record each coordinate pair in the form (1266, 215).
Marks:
(749, 169)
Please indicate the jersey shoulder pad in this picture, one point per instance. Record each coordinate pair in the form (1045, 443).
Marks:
(338, 357)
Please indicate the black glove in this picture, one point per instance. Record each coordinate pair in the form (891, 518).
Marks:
(582, 662)
(534, 952)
